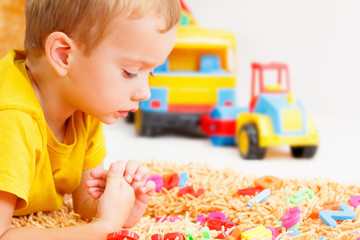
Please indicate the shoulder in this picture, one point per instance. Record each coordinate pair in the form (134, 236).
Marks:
(16, 92)
(13, 121)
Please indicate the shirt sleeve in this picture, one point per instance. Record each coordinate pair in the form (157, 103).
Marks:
(19, 134)
(96, 150)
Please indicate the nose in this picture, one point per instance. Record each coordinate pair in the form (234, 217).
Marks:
(142, 93)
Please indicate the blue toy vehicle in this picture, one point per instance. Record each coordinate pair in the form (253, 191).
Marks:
(274, 117)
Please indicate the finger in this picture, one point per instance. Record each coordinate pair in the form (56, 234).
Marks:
(96, 195)
(141, 173)
(148, 188)
(131, 168)
(94, 189)
(115, 176)
(95, 183)
(102, 174)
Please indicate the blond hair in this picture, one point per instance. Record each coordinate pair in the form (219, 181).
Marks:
(85, 21)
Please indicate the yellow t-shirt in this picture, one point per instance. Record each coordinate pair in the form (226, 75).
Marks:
(33, 164)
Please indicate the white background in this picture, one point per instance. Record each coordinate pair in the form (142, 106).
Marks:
(320, 41)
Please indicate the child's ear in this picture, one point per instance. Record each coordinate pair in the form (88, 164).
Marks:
(58, 49)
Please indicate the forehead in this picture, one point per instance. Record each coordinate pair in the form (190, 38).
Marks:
(140, 39)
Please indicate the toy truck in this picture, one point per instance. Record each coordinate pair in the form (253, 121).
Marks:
(274, 117)
(197, 76)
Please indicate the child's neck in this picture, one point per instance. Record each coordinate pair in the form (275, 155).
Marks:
(48, 92)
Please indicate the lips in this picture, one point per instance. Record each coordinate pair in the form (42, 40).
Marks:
(122, 113)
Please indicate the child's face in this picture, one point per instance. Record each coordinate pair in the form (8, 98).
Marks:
(114, 78)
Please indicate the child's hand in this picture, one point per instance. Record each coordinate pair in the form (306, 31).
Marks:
(136, 176)
(117, 199)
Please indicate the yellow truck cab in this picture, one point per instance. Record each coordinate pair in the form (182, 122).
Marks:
(197, 76)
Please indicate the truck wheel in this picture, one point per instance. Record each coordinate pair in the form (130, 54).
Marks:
(144, 129)
(303, 152)
(148, 131)
(248, 143)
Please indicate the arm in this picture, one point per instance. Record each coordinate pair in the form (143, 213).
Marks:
(97, 230)
(84, 204)
(113, 209)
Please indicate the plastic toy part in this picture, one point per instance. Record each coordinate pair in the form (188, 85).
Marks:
(230, 225)
(221, 124)
(331, 205)
(210, 63)
(259, 198)
(218, 216)
(112, 236)
(214, 224)
(258, 231)
(268, 182)
(171, 181)
(225, 234)
(294, 232)
(275, 117)
(291, 217)
(303, 152)
(329, 216)
(205, 234)
(189, 234)
(269, 228)
(201, 219)
(197, 76)
(158, 180)
(278, 231)
(174, 236)
(184, 177)
(355, 201)
(235, 234)
(218, 225)
(301, 196)
(163, 219)
(249, 191)
(156, 236)
(190, 190)
(123, 234)
(249, 144)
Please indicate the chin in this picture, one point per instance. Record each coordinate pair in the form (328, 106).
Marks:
(108, 120)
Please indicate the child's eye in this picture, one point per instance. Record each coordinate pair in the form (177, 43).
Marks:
(129, 75)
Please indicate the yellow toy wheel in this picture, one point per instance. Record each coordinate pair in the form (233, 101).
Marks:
(248, 143)
(244, 139)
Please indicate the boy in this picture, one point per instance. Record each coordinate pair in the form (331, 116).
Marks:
(86, 62)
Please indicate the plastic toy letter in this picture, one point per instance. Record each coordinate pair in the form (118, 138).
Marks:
(259, 231)
(355, 201)
(205, 233)
(189, 234)
(300, 196)
(184, 177)
(291, 217)
(329, 216)
(264, 194)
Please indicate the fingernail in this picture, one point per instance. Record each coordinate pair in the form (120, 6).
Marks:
(138, 177)
(114, 166)
(128, 178)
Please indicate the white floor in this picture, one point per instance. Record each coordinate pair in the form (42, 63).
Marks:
(337, 158)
